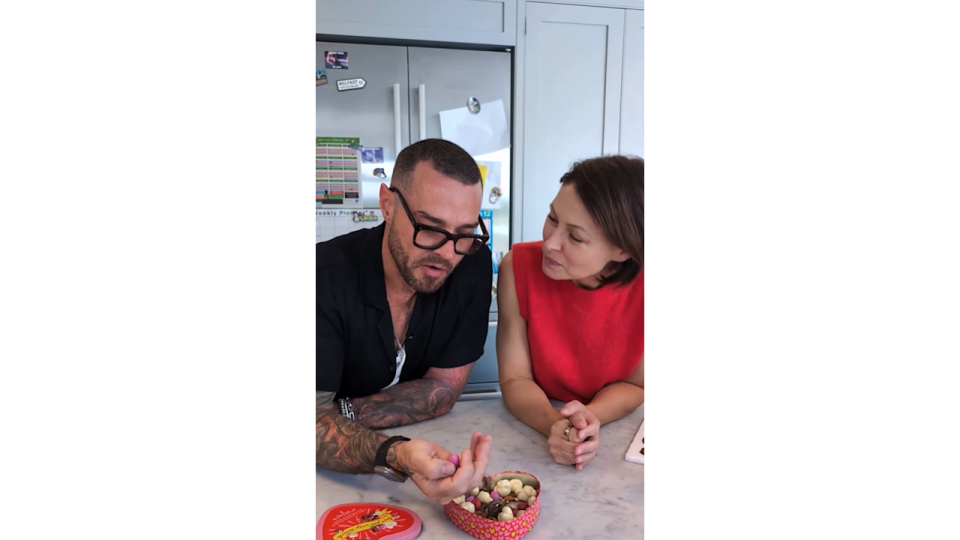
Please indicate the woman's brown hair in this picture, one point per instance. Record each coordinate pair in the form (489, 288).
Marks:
(611, 188)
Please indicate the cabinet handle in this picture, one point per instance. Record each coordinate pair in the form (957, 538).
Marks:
(396, 119)
(423, 111)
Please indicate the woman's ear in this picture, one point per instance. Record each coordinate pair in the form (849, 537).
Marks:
(621, 256)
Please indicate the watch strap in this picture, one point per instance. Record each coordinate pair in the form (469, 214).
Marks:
(381, 459)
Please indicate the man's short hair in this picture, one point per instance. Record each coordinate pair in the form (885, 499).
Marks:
(445, 157)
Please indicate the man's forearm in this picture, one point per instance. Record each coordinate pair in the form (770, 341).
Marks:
(342, 444)
(405, 403)
(615, 401)
(345, 446)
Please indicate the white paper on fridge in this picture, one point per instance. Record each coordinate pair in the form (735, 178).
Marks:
(479, 133)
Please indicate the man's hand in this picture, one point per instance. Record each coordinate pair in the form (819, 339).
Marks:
(430, 468)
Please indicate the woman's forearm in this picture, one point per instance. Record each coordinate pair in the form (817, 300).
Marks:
(527, 401)
(615, 401)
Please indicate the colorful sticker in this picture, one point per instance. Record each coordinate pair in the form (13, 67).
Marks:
(372, 154)
(321, 77)
(366, 216)
(335, 60)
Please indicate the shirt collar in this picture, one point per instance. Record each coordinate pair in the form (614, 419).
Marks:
(373, 288)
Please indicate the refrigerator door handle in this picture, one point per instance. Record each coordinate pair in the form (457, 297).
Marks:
(396, 119)
(423, 111)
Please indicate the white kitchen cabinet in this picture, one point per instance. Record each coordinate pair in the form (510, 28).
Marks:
(629, 4)
(572, 84)
(631, 97)
(485, 22)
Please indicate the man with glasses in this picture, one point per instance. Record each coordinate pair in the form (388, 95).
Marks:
(402, 314)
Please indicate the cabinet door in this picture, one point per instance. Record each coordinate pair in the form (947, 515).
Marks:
(631, 102)
(571, 102)
(489, 22)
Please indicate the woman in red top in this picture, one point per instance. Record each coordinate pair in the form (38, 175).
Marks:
(571, 310)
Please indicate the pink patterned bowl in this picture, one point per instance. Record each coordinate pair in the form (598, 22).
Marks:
(487, 529)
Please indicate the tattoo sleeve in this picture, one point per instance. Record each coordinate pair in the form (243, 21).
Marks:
(410, 402)
(342, 444)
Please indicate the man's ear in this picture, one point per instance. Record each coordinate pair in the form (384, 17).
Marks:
(386, 202)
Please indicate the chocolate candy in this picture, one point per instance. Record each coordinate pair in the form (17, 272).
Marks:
(506, 500)
(493, 509)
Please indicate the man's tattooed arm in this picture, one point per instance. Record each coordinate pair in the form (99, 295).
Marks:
(345, 446)
(413, 401)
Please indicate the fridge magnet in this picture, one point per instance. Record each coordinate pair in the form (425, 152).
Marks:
(379, 173)
(490, 182)
(335, 60)
(473, 105)
(365, 216)
(495, 195)
(351, 84)
(321, 77)
(372, 154)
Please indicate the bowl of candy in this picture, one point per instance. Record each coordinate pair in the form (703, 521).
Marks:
(506, 506)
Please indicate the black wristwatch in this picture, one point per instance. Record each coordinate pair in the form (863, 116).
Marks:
(380, 463)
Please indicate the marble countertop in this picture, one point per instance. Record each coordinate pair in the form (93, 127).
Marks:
(607, 493)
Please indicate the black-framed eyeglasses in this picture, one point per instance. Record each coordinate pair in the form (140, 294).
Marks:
(430, 238)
